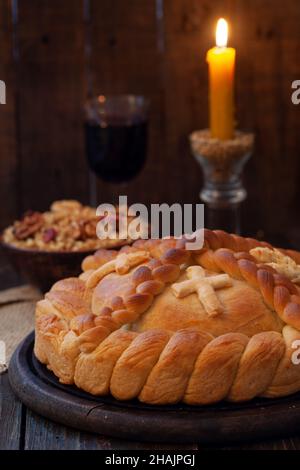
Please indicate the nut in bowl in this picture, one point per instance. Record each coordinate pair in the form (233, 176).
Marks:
(46, 247)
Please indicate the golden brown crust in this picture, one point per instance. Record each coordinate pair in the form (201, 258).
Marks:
(243, 352)
(170, 376)
(136, 362)
(215, 369)
(101, 362)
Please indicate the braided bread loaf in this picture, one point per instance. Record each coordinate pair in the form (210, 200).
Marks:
(165, 325)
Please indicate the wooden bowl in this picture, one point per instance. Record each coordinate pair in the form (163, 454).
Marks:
(44, 268)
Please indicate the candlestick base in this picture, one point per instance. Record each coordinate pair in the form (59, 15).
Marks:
(222, 163)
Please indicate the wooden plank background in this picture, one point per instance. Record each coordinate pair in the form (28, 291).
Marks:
(53, 53)
(9, 194)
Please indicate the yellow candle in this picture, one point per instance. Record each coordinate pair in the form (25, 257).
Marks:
(221, 62)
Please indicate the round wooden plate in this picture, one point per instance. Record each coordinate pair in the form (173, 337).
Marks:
(40, 390)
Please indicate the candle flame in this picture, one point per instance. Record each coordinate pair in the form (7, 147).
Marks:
(222, 33)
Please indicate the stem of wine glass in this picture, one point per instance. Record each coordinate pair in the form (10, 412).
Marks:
(93, 199)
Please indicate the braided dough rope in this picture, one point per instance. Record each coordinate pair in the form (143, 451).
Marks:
(64, 341)
(163, 367)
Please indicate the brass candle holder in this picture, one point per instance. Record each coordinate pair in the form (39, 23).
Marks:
(222, 163)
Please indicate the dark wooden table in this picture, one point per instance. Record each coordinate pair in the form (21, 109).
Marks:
(20, 428)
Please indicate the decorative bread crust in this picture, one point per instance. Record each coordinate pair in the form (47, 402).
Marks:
(80, 324)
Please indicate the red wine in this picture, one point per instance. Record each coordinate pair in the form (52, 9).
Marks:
(116, 152)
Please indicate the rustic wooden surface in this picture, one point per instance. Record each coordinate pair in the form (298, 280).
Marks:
(54, 53)
(20, 428)
(219, 425)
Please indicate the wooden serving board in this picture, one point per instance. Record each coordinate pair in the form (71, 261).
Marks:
(40, 390)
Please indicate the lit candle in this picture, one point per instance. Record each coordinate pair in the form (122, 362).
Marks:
(221, 62)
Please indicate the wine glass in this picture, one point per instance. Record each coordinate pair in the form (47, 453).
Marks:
(116, 129)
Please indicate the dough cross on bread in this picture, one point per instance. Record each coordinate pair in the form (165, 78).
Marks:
(204, 286)
(121, 265)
